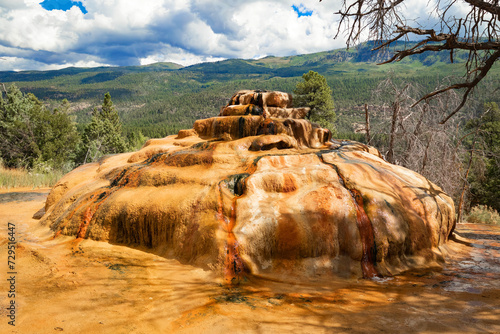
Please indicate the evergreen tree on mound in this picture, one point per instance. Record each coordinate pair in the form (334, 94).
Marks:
(315, 93)
(103, 135)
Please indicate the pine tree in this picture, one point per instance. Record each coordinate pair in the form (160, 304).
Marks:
(108, 112)
(485, 179)
(136, 140)
(315, 93)
(103, 135)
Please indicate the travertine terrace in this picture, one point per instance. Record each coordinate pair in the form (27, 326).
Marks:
(258, 190)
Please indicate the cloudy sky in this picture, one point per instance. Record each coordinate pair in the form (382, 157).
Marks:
(52, 34)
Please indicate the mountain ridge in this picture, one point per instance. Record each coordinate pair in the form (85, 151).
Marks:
(161, 98)
(269, 64)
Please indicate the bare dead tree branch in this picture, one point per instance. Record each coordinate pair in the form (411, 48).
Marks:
(468, 85)
(491, 8)
(477, 33)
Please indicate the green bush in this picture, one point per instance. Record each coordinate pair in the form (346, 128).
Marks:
(31, 133)
(483, 214)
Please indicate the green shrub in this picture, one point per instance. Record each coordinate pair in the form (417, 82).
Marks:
(483, 214)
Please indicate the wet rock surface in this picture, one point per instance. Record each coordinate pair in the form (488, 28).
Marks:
(97, 287)
(258, 195)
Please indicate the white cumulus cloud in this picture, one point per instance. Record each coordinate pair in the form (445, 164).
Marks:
(125, 32)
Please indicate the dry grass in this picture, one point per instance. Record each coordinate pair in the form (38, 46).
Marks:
(14, 178)
(483, 214)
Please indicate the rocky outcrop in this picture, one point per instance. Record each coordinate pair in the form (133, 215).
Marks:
(251, 194)
(262, 98)
(296, 113)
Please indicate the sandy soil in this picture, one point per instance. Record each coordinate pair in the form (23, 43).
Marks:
(92, 287)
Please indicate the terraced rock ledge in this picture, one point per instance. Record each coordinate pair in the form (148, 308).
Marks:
(259, 190)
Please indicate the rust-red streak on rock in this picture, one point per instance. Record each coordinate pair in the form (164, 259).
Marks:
(93, 207)
(367, 238)
(365, 228)
(87, 216)
(234, 267)
(59, 231)
(82, 230)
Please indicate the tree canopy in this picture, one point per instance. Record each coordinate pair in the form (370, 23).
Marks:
(103, 135)
(476, 32)
(485, 145)
(315, 93)
(31, 134)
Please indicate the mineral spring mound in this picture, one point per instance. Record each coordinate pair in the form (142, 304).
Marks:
(258, 190)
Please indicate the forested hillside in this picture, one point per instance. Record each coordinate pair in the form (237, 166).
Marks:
(162, 98)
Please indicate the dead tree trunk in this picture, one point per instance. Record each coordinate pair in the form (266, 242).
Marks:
(367, 125)
(395, 113)
(426, 154)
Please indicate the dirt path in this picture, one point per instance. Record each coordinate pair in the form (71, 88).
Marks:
(94, 287)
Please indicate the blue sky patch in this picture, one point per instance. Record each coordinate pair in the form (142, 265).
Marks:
(62, 5)
(301, 10)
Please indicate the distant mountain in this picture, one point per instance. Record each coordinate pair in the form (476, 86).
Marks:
(161, 98)
(321, 61)
(278, 66)
(110, 73)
